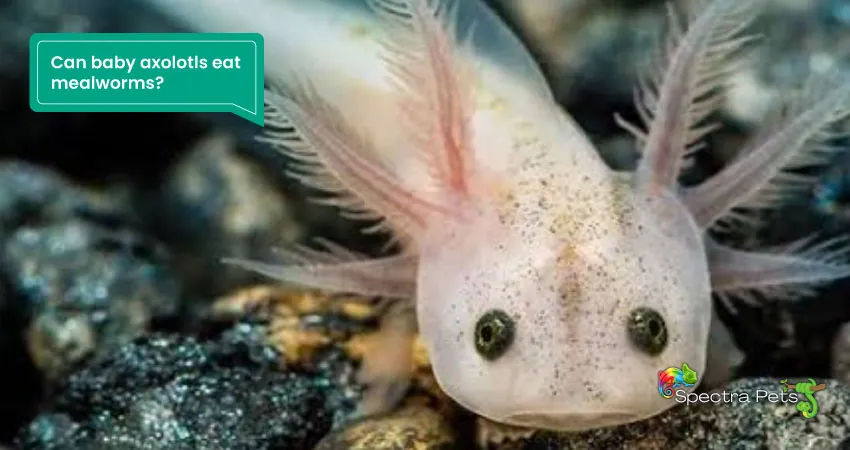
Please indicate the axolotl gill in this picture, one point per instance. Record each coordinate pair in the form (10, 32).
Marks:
(549, 289)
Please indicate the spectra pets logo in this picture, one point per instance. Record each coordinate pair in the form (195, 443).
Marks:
(672, 378)
(672, 382)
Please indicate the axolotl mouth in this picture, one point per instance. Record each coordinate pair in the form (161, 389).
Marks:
(570, 421)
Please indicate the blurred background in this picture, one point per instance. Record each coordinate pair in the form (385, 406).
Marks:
(111, 225)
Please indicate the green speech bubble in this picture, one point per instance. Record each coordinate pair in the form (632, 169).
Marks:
(148, 72)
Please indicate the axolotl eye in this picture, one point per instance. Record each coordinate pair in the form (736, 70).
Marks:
(494, 334)
(647, 330)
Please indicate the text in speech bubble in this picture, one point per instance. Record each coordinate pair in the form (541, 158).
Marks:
(148, 72)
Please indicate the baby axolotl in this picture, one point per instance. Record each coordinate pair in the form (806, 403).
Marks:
(549, 289)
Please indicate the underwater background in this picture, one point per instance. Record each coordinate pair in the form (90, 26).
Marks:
(120, 328)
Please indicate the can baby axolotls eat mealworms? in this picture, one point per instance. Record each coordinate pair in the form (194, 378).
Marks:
(549, 290)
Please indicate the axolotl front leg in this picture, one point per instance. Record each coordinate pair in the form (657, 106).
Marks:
(456, 219)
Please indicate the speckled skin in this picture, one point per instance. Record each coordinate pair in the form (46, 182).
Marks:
(568, 257)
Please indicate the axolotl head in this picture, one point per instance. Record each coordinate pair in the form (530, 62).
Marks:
(558, 311)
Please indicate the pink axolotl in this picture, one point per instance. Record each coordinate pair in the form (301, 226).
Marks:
(549, 290)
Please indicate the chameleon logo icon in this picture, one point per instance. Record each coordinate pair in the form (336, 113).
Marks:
(809, 406)
(674, 377)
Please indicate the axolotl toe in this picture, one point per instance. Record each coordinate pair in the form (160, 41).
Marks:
(549, 290)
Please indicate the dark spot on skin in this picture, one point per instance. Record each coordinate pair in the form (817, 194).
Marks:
(494, 334)
(647, 330)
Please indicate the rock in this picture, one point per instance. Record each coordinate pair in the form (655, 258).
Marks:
(217, 203)
(416, 427)
(172, 392)
(33, 194)
(304, 324)
(55, 239)
(85, 287)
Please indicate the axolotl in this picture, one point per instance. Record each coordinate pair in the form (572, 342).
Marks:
(549, 289)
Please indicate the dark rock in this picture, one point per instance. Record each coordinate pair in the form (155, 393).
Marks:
(84, 287)
(217, 203)
(170, 392)
(35, 198)
(34, 194)
(23, 390)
